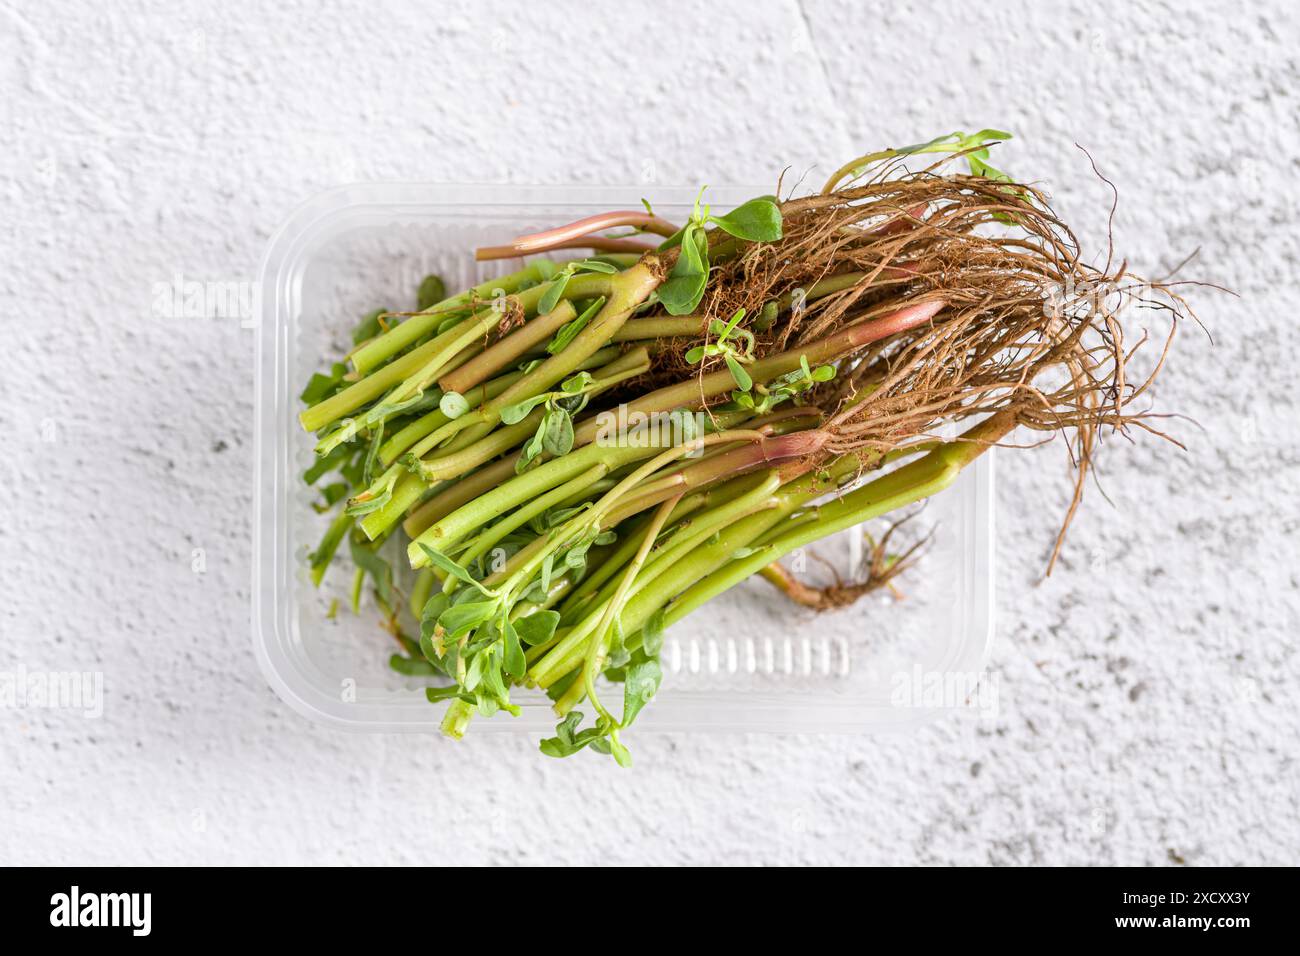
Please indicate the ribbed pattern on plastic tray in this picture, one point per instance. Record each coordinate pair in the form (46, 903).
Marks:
(803, 656)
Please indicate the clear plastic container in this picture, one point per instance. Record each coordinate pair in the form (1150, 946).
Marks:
(747, 661)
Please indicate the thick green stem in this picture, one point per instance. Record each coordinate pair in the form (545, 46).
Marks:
(422, 426)
(458, 494)
(569, 652)
(616, 364)
(521, 569)
(453, 341)
(626, 291)
(690, 326)
(522, 515)
(727, 463)
(367, 390)
(636, 330)
(600, 643)
(443, 354)
(855, 167)
(488, 502)
(692, 393)
(457, 461)
(906, 485)
(454, 527)
(379, 349)
(509, 349)
(757, 496)
(741, 534)
(823, 287)
(456, 720)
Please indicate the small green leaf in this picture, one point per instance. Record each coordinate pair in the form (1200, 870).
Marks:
(577, 383)
(639, 686)
(538, 627)
(440, 560)
(460, 618)
(372, 454)
(622, 756)
(429, 614)
(565, 731)
(411, 666)
(568, 740)
(366, 560)
(331, 494)
(369, 327)
(571, 329)
(758, 220)
(742, 378)
(432, 291)
(493, 682)
(552, 747)
(436, 694)
(548, 567)
(700, 212)
(681, 292)
(596, 265)
(321, 386)
(576, 556)
(551, 297)
(513, 657)
(695, 354)
(374, 503)
(730, 327)
(427, 646)
(453, 405)
(652, 633)
(530, 451)
(516, 413)
(558, 438)
(474, 673)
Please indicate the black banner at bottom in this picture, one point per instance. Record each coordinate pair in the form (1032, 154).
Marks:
(330, 905)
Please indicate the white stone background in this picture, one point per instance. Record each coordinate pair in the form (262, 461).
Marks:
(1148, 689)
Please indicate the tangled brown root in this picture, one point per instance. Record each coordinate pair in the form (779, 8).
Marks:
(1029, 327)
(878, 572)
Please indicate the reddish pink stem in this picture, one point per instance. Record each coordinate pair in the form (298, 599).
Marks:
(542, 241)
(906, 318)
(910, 219)
(599, 243)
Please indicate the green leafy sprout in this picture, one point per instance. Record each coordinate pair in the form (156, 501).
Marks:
(758, 220)
(724, 345)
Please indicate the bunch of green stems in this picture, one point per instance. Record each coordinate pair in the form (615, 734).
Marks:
(560, 513)
(562, 564)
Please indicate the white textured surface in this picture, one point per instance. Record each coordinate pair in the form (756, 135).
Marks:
(1149, 707)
